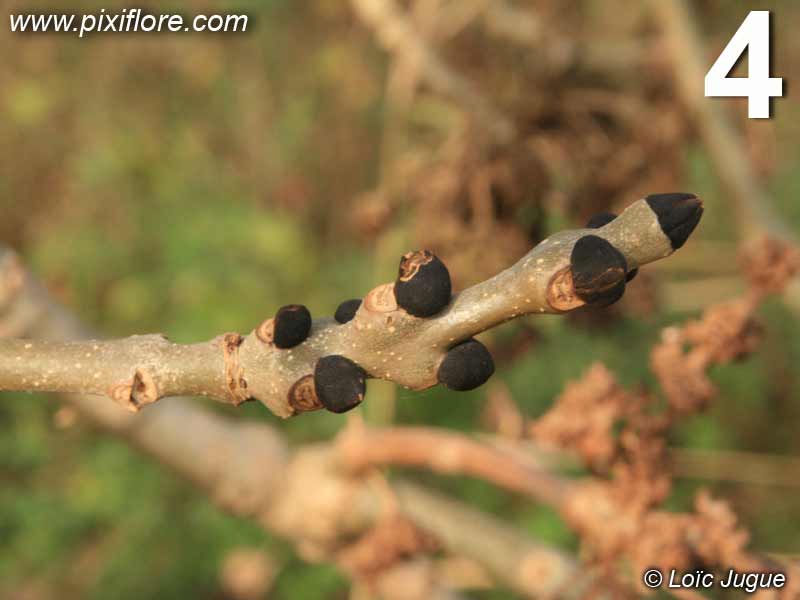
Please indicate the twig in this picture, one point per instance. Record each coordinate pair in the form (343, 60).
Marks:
(530, 568)
(411, 579)
(446, 452)
(248, 470)
(736, 466)
(564, 272)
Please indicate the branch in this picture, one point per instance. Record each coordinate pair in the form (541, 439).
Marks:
(446, 452)
(528, 567)
(735, 466)
(292, 364)
(616, 513)
(247, 469)
(133, 371)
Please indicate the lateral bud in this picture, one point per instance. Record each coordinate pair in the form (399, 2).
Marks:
(292, 326)
(466, 366)
(339, 383)
(423, 286)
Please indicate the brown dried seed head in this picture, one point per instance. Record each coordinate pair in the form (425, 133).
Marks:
(303, 396)
(412, 261)
(381, 299)
(266, 331)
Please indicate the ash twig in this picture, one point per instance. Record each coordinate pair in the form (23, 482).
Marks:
(564, 272)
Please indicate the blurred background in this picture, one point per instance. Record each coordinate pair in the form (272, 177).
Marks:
(191, 184)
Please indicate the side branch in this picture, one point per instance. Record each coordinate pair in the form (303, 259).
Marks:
(412, 332)
(448, 453)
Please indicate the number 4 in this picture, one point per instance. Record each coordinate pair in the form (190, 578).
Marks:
(758, 86)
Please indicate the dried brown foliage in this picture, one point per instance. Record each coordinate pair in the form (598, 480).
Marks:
(607, 129)
(390, 541)
(621, 436)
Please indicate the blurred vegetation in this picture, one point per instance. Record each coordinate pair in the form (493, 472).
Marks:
(191, 184)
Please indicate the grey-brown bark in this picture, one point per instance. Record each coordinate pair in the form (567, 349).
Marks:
(383, 339)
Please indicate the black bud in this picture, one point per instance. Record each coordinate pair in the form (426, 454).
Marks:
(598, 271)
(604, 218)
(678, 215)
(339, 383)
(423, 284)
(466, 366)
(292, 325)
(347, 310)
(600, 219)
